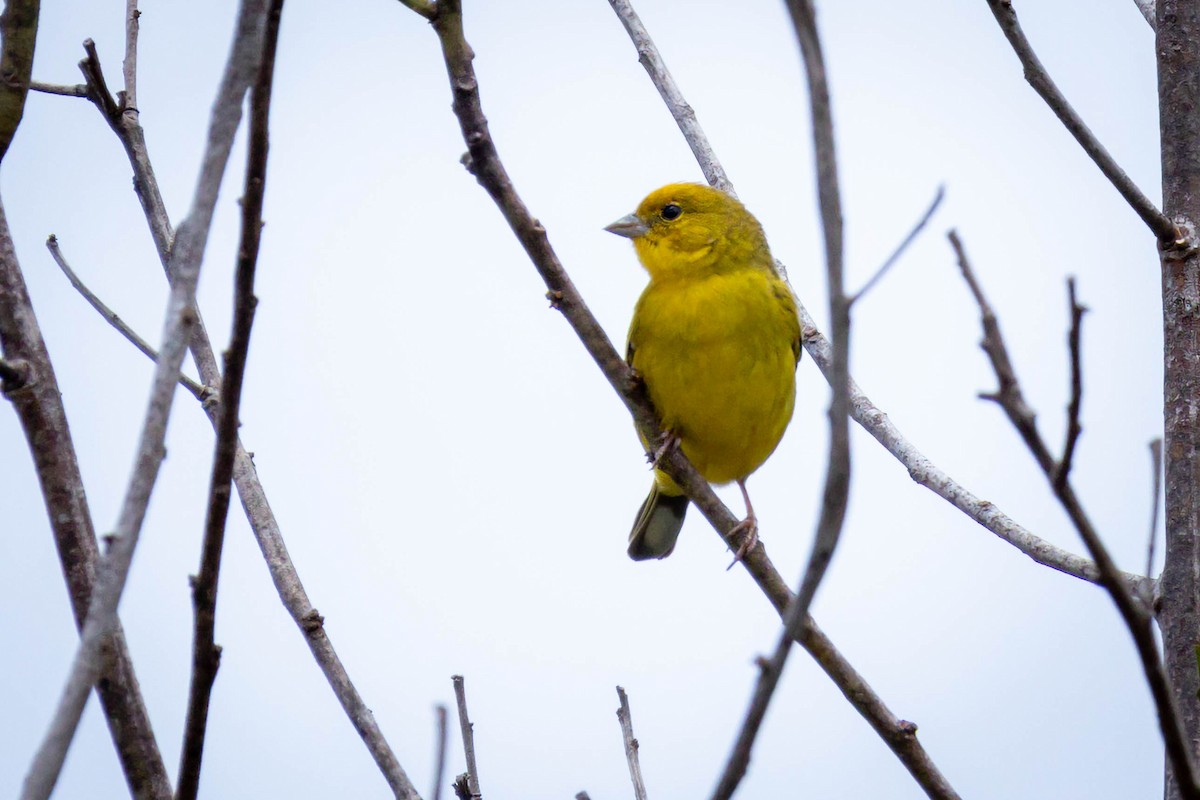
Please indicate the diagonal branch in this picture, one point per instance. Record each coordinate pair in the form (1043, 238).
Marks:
(899, 251)
(483, 161)
(185, 265)
(837, 476)
(1134, 613)
(257, 508)
(206, 655)
(201, 393)
(1168, 234)
(685, 116)
(867, 414)
(30, 384)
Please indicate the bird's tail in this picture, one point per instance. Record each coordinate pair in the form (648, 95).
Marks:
(657, 525)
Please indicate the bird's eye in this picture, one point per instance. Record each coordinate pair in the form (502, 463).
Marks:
(670, 211)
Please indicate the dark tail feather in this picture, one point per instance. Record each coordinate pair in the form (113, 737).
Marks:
(657, 525)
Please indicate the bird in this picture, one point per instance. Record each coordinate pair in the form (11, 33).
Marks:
(715, 339)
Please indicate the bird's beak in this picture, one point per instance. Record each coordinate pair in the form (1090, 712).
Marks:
(628, 226)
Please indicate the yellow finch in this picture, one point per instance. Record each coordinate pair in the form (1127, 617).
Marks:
(716, 339)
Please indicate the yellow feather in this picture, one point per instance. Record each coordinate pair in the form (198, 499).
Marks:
(715, 336)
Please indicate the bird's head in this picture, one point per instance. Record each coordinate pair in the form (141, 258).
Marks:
(688, 229)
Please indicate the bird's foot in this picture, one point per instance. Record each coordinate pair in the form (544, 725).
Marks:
(748, 529)
(666, 444)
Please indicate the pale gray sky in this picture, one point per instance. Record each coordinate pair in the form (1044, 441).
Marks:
(454, 478)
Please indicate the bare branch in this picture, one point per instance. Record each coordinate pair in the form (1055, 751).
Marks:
(201, 393)
(1062, 469)
(484, 162)
(185, 262)
(899, 251)
(250, 490)
(684, 116)
(468, 735)
(97, 87)
(206, 655)
(439, 760)
(1134, 613)
(129, 103)
(631, 746)
(1168, 234)
(67, 90)
(36, 399)
(1155, 492)
(837, 476)
(32, 388)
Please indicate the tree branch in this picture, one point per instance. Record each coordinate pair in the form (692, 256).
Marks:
(684, 116)
(33, 390)
(837, 475)
(185, 266)
(201, 393)
(67, 90)
(257, 508)
(468, 737)
(1169, 235)
(1062, 469)
(1135, 614)
(206, 655)
(38, 404)
(631, 746)
(899, 251)
(484, 162)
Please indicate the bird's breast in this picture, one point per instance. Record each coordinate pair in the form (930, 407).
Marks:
(718, 361)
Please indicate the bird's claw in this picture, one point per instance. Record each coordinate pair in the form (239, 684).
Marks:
(667, 444)
(748, 528)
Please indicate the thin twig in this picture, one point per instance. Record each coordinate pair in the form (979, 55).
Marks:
(631, 746)
(257, 508)
(877, 423)
(1167, 232)
(468, 735)
(439, 758)
(899, 251)
(129, 104)
(838, 468)
(484, 163)
(1062, 469)
(661, 77)
(206, 654)
(1135, 614)
(67, 90)
(1155, 493)
(185, 262)
(201, 393)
